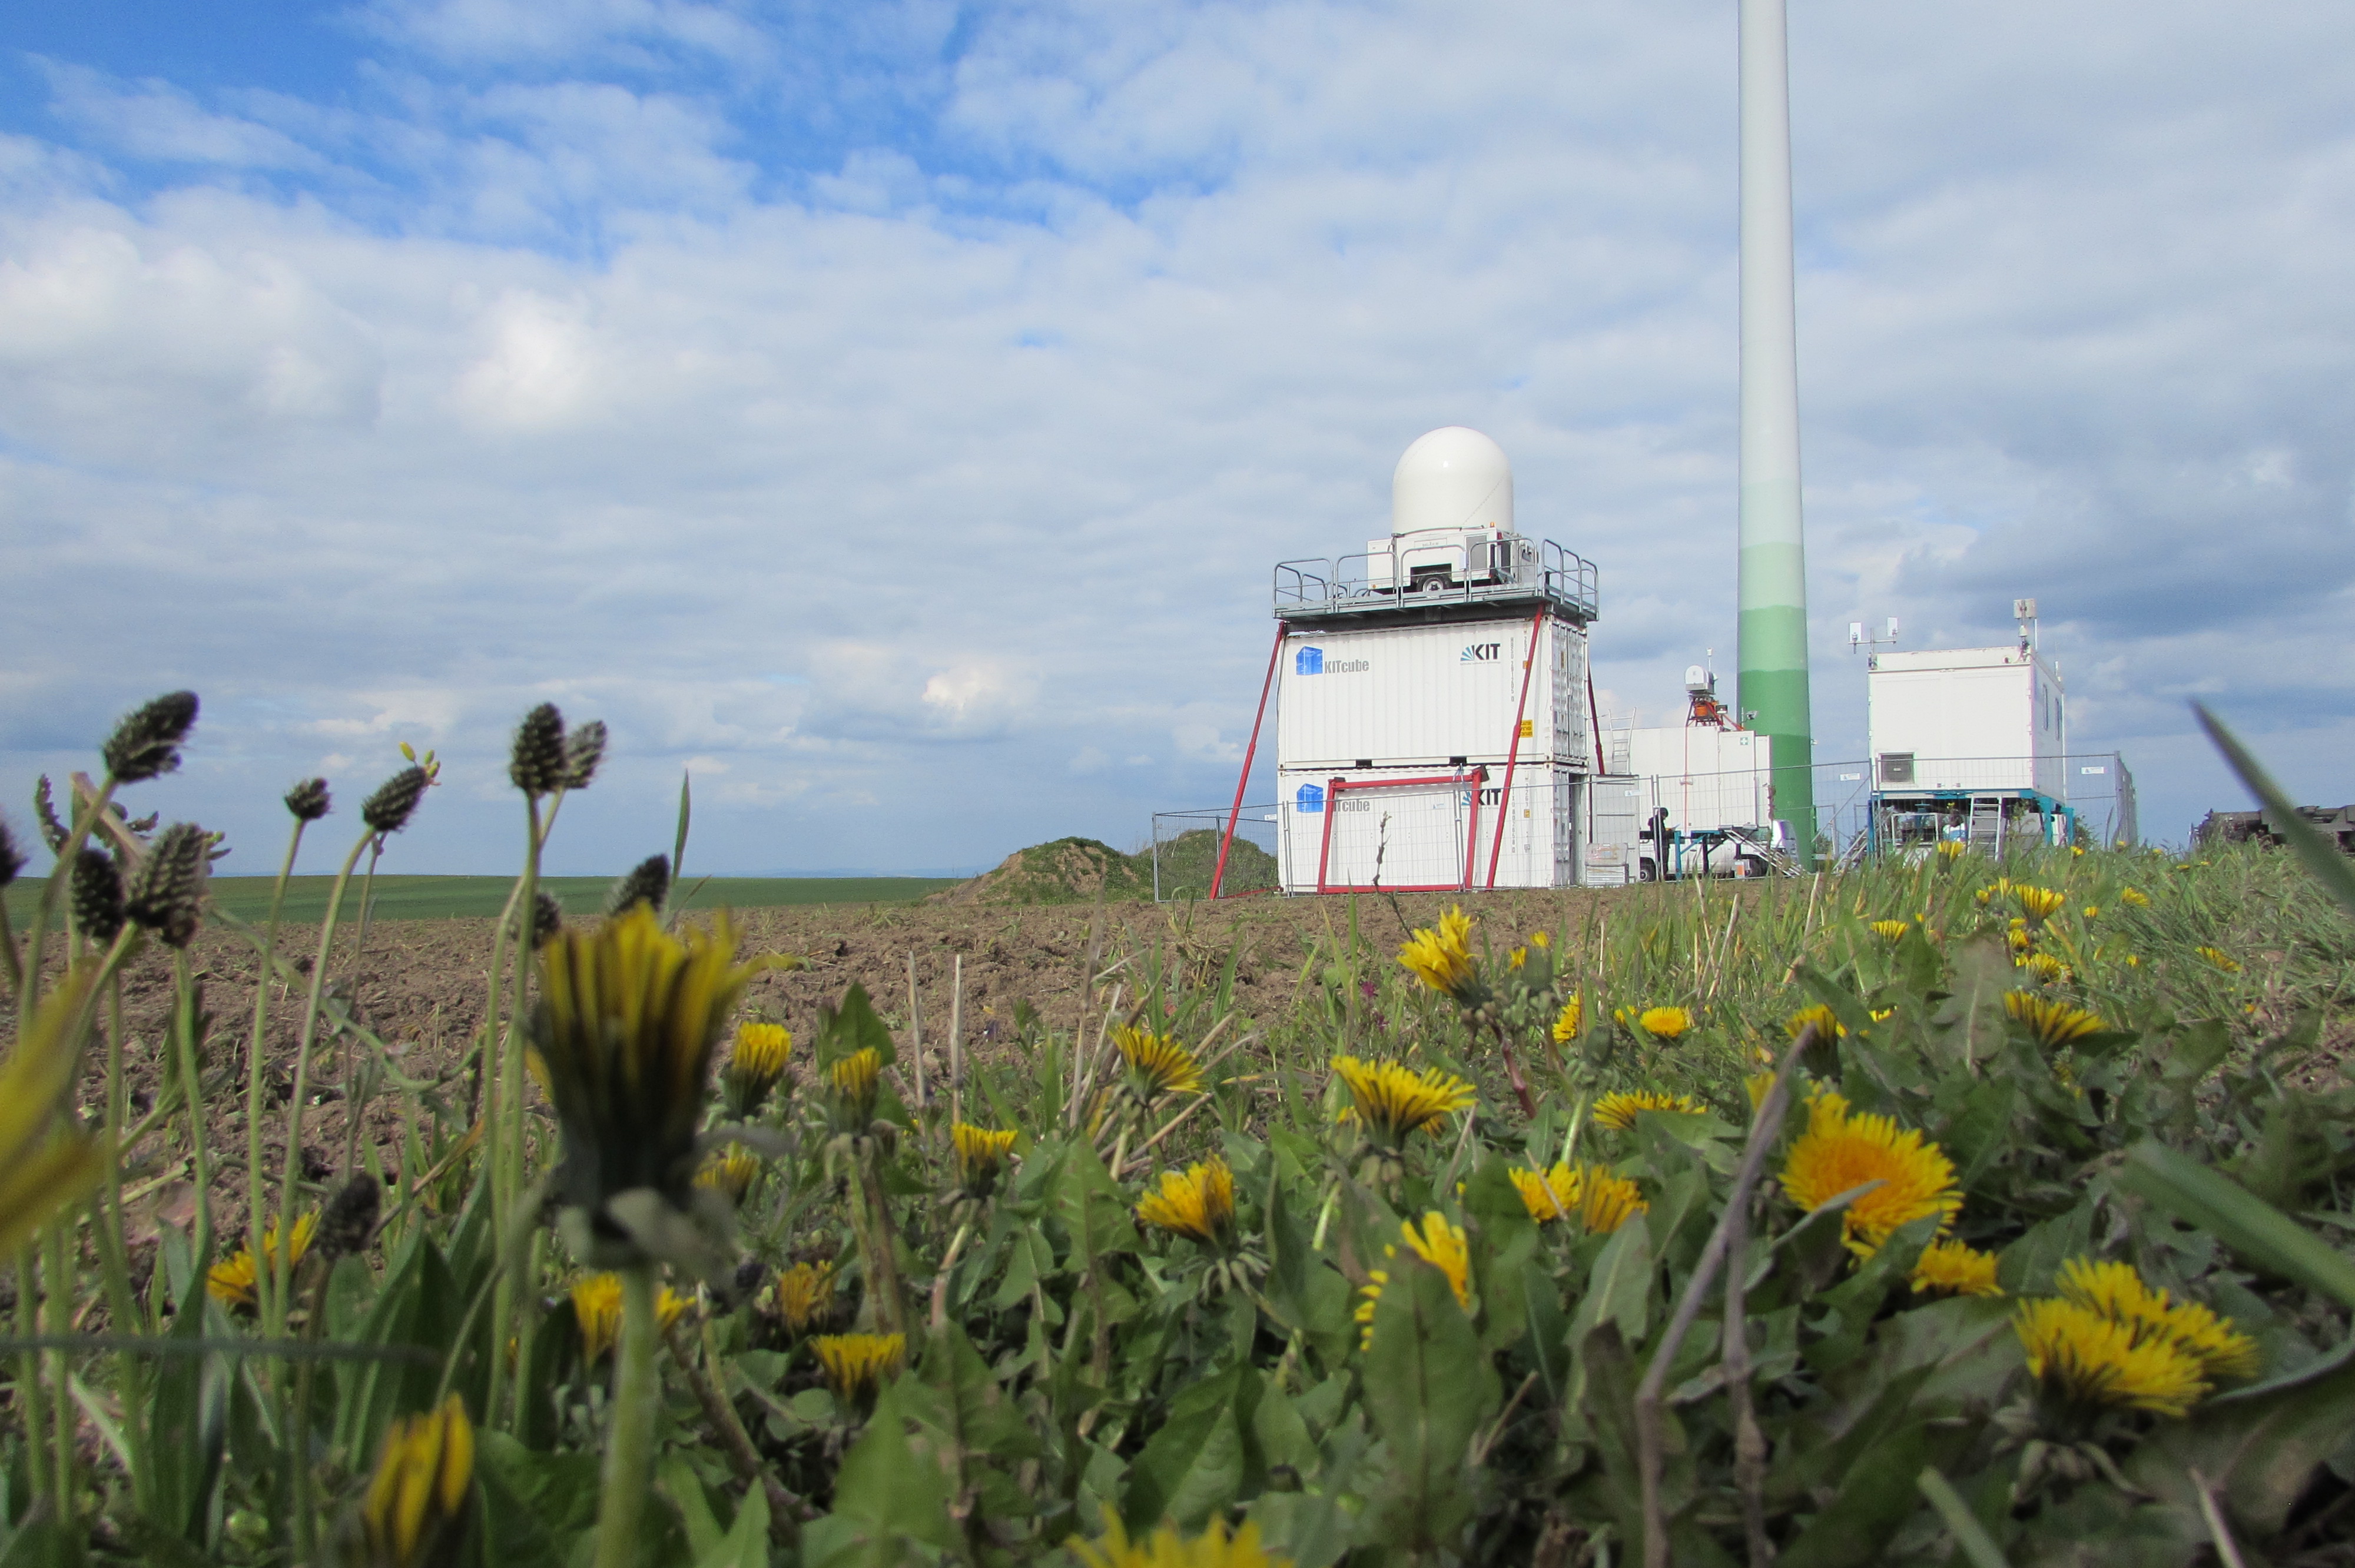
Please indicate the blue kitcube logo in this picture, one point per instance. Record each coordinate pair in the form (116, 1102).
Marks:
(1308, 661)
(1311, 798)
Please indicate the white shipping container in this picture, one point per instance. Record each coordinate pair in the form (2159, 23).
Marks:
(1967, 718)
(1418, 828)
(1422, 695)
(1607, 853)
(1706, 778)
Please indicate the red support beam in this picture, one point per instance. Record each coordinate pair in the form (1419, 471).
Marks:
(1227, 839)
(1504, 796)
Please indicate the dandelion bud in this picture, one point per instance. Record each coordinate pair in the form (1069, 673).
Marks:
(96, 898)
(583, 750)
(647, 882)
(12, 860)
(539, 764)
(547, 919)
(308, 800)
(53, 832)
(350, 1218)
(754, 1066)
(167, 893)
(147, 741)
(389, 809)
(415, 1509)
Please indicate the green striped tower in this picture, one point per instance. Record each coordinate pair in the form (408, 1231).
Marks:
(1774, 628)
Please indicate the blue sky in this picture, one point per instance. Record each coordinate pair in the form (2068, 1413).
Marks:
(890, 414)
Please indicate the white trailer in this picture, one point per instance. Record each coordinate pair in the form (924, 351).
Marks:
(1967, 719)
(1707, 778)
(1438, 696)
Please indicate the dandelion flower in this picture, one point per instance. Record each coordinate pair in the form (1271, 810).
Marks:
(1664, 1022)
(1548, 1196)
(2045, 967)
(1618, 1111)
(1993, 890)
(1568, 1020)
(1198, 1204)
(1609, 1201)
(2118, 1292)
(1541, 939)
(2019, 936)
(1956, 1269)
(2085, 1359)
(1394, 1102)
(418, 1495)
(2092, 911)
(805, 1296)
(2221, 958)
(597, 1308)
(1889, 930)
(1517, 957)
(1437, 1242)
(232, 1281)
(858, 1365)
(1158, 1064)
(1827, 1023)
(754, 1067)
(1442, 960)
(2134, 896)
(854, 1084)
(980, 1157)
(1214, 1548)
(1757, 1085)
(2039, 904)
(1841, 1151)
(1949, 850)
(730, 1172)
(2051, 1023)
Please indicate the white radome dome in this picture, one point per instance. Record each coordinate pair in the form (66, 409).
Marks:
(1452, 478)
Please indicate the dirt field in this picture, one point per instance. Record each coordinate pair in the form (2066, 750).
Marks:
(422, 986)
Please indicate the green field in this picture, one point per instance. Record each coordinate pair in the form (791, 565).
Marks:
(445, 897)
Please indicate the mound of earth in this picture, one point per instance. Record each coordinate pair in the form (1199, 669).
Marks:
(1188, 861)
(1063, 871)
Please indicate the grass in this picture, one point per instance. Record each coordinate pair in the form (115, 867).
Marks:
(481, 898)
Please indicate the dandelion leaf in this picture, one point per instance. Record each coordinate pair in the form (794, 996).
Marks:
(1194, 1464)
(884, 1500)
(2260, 1454)
(850, 1027)
(1429, 1387)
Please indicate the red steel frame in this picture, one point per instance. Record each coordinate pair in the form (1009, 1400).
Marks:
(1333, 790)
(1513, 756)
(1227, 839)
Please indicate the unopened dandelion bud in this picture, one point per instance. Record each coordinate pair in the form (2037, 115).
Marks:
(754, 1067)
(167, 893)
(53, 832)
(12, 859)
(537, 764)
(308, 800)
(647, 882)
(547, 919)
(415, 1511)
(147, 741)
(349, 1219)
(395, 801)
(96, 895)
(583, 750)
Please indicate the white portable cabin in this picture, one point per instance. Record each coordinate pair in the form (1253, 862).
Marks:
(1967, 719)
(1707, 778)
(1433, 710)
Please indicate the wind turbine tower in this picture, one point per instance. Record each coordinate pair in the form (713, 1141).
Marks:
(1773, 690)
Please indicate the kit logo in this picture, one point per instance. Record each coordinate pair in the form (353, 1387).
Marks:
(1311, 662)
(1484, 654)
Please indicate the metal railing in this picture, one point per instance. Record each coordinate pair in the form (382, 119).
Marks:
(1186, 853)
(1315, 585)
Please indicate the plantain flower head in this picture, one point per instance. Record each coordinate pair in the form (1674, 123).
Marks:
(623, 1036)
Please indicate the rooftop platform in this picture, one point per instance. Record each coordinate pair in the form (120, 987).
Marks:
(1369, 588)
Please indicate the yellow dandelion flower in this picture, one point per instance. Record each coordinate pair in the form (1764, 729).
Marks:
(1993, 890)
(1517, 957)
(1541, 939)
(980, 1157)
(1442, 960)
(805, 1296)
(1438, 1244)
(1609, 1201)
(1394, 1102)
(1757, 1085)
(2039, 904)
(1548, 1196)
(1158, 1064)
(2086, 1357)
(1956, 1269)
(232, 1281)
(858, 1365)
(1200, 1204)
(2120, 1294)
(2092, 911)
(597, 1308)
(1841, 1151)
(1827, 1022)
(1889, 930)
(1949, 850)
(418, 1496)
(2051, 1023)
(754, 1066)
(1568, 1020)
(855, 1080)
(1878, 1014)
(2045, 967)
(1165, 1548)
(2221, 958)
(730, 1172)
(1664, 1022)
(1618, 1111)
(2020, 938)
(2134, 897)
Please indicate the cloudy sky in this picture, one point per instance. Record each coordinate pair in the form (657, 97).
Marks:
(890, 413)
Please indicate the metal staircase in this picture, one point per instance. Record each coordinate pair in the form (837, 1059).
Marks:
(1986, 826)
